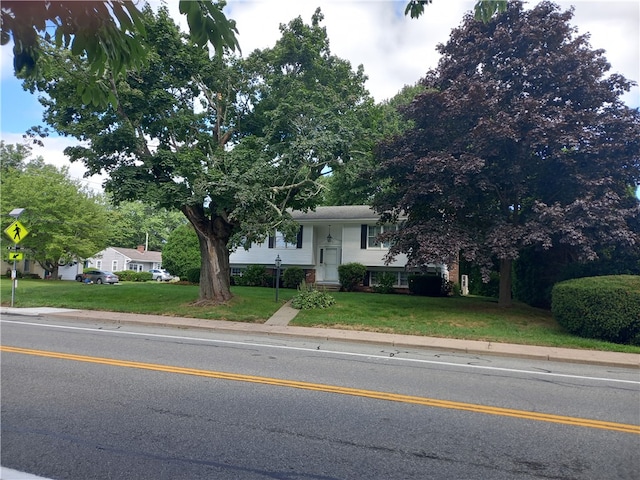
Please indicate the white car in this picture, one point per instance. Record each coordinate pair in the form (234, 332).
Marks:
(160, 275)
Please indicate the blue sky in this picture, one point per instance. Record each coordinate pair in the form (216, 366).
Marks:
(394, 50)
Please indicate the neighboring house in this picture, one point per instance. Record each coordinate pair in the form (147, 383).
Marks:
(115, 259)
(29, 267)
(329, 237)
(112, 259)
(25, 266)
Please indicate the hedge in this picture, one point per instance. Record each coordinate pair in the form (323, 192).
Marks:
(428, 285)
(293, 277)
(351, 275)
(606, 307)
(133, 276)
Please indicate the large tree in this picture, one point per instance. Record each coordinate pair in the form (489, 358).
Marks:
(483, 10)
(108, 33)
(520, 140)
(65, 221)
(352, 183)
(231, 143)
(137, 223)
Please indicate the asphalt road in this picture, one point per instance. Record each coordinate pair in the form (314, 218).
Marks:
(101, 402)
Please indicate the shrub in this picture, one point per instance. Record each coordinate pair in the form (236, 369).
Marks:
(193, 275)
(309, 297)
(351, 275)
(132, 276)
(181, 253)
(292, 277)
(386, 281)
(606, 308)
(448, 289)
(255, 276)
(428, 285)
(144, 277)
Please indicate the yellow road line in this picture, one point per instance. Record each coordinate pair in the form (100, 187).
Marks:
(394, 397)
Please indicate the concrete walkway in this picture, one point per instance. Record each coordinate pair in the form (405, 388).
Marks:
(283, 316)
(278, 325)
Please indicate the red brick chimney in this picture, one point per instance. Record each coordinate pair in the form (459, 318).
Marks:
(140, 248)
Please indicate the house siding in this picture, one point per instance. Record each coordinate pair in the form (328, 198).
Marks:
(345, 225)
(261, 254)
(118, 259)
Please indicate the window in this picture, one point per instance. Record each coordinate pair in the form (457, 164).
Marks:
(114, 266)
(373, 231)
(236, 271)
(401, 278)
(374, 277)
(278, 241)
(99, 264)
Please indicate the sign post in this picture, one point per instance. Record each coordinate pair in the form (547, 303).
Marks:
(16, 232)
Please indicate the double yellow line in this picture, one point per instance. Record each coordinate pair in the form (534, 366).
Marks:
(393, 397)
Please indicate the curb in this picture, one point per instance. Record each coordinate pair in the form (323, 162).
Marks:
(567, 355)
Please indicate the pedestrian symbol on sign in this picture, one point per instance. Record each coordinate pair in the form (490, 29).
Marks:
(16, 232)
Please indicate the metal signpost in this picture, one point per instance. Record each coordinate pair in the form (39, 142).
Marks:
(16, 232)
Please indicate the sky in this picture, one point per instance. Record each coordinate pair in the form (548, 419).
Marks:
(394, 50)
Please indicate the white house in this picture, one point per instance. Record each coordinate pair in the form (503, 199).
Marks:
(329, 237)
(115, 259)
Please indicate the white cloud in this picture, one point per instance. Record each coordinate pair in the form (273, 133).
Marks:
(53, 153)
(395, 50)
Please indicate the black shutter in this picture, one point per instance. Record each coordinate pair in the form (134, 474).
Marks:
(272, 241)
(299, 238)
(364, 233)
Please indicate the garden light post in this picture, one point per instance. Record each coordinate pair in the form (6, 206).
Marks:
(278, 263)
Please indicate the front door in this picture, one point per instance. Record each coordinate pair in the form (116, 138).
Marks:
(331, 264)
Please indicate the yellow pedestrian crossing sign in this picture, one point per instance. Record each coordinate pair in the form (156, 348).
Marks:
(16, 232)
(16, 256)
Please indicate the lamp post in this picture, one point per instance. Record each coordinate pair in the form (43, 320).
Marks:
(15, 213)
(278, 263)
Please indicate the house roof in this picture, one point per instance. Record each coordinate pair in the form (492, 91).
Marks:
(337, 213)
(135, 254)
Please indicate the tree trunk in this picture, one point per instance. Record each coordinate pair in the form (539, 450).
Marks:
(215, 274)
(213, 236)
(504, 296)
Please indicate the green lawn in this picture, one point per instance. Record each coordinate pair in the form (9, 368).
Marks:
(473, 318)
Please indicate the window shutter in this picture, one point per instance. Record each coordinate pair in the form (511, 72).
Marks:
(299, 238)
(272, 241)
(364, 232)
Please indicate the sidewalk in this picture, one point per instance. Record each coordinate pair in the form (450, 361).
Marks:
(278, 325)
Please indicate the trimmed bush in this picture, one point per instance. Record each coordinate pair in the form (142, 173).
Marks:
(255, 276)
(351, 275)
(386, 281)
(293, 277)
(606, 308)
(308, 298)
(427, 285)
(193, 275)
(132, 276)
